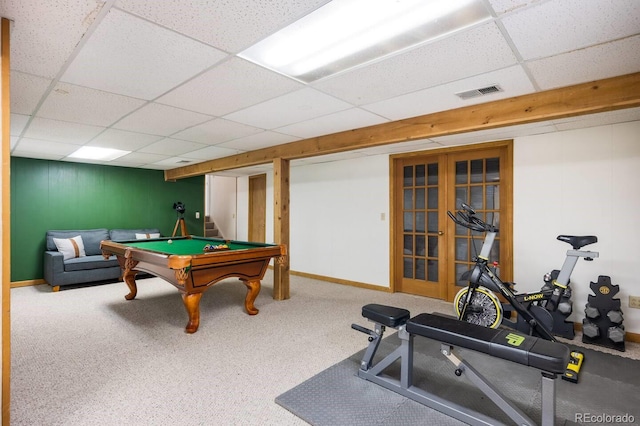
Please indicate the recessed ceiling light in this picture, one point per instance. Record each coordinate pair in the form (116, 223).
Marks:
(346, 33)
(96, 153)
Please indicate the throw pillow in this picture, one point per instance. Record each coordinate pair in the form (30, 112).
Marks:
(70, 247)
(147, 236)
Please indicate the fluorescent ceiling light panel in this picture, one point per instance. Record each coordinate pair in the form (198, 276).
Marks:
(346, 33)
(96, 153)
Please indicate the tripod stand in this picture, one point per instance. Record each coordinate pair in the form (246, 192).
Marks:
(183, 227)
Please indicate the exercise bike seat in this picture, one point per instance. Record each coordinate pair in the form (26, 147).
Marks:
(577, 242)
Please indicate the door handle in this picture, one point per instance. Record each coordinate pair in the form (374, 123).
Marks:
(440, 232)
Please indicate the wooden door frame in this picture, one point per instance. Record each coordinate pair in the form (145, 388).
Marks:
(506, 191)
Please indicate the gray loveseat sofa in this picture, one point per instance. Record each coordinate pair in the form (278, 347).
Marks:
(90, 268)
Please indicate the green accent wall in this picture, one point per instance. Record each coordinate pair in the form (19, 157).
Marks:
(59, 195)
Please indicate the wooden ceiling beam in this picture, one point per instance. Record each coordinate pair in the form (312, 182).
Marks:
(587, 98)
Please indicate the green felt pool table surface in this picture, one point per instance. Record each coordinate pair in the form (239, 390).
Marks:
(189, 245)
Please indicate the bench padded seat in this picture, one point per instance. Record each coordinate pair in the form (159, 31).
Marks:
(506, 344)
(386, 315)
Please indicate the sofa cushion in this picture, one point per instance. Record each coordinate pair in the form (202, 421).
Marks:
(70, 247)
(90, 237)
(89, 262)
(130, 234)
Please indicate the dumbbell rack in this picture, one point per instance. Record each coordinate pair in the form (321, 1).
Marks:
(602, 324)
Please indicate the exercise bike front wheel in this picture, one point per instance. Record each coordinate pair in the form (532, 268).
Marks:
(484, 307)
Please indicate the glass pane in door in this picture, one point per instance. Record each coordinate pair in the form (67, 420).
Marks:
(477, 183)
(420, 216)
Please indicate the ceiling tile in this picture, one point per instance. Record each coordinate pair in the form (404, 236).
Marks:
(38, 155)
(593, 63)
(469, 53)
(133, 57)
(168, 146)
(228, 87)
(154, 166)
(558, 26)
(328, 158)
(230, 25)
(133, 164)
(140, 158)
(156, 119)
(216, 131)
(172, 162)
(26, 92)
(601, 119)
(417, 145)
(78, 104)
(135, 51)
(18, 122)
(508, 6)
(513, 80)
(288, 109)
(45, 129)
(350, 119)
(122, 139)
(211, 152)
(53, 26)
(489, 135)
(258, 141)
(43, 149)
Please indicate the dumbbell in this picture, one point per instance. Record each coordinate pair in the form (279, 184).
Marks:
(591, 312)
(590, 330)
(565, 308)
(616, 334)
(615, 317)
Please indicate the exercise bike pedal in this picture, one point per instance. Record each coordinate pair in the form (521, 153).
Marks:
(573, 368)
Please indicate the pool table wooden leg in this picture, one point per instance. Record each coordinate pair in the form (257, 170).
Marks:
(253, 288)
(129, 277)
(192, 304)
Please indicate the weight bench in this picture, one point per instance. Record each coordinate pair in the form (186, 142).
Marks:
(549, 357)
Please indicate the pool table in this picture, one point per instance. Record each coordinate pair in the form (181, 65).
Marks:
(184, 262)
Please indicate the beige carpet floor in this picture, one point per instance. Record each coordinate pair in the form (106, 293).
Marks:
(86, 356)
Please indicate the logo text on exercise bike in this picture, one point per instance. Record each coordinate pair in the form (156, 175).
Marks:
(535, 296)
(514, 339)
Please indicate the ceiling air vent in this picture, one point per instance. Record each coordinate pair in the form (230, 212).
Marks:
(479, 92)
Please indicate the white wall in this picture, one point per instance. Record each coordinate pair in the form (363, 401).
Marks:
(221, 194)
(572, 182)
(579, 182)
(336, 225)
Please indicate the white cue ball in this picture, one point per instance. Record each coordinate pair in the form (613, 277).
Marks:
(170, 241)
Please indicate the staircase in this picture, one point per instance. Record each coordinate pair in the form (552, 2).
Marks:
(210, 229)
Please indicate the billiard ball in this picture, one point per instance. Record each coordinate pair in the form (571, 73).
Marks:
(170, 241)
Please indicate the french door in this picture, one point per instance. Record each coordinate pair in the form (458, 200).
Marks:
(429, 251)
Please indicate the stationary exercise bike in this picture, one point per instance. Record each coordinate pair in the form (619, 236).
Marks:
(478, 304)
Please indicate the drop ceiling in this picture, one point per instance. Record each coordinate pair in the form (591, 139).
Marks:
(163, 79)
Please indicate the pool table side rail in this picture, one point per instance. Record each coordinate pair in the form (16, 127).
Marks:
(109, 247)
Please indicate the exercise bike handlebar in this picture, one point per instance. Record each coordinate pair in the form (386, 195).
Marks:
(468, 219)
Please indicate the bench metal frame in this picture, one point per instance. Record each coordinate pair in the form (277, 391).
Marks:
(405, 387)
